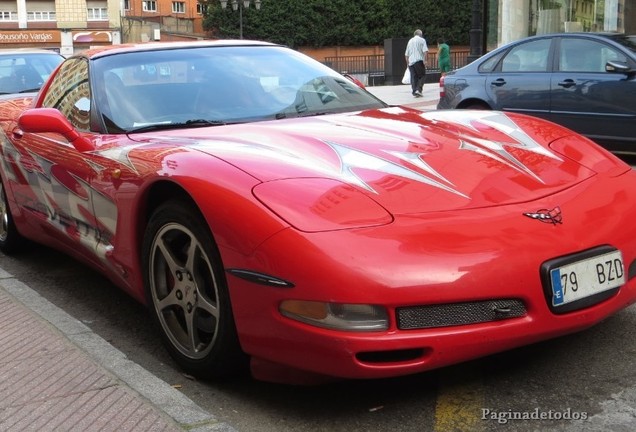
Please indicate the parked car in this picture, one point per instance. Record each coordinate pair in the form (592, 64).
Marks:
(269, 211)
(584, 81)
(24, 70)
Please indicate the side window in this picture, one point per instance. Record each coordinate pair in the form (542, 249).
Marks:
(582, 55)
(70, 93)
(528, 57)
(490, 64)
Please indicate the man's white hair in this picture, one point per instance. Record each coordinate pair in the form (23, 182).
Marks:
(418, 32)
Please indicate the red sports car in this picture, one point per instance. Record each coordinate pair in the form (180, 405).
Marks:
(272, 213)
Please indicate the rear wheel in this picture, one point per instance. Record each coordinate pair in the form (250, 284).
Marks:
(10, 239)
(187, 293)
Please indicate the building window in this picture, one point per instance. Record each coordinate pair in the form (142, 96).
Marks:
(178, 7)
(150, 6)
(8, 16)
(126, 4)
(97, 14)
(41, 16)
(202, 8)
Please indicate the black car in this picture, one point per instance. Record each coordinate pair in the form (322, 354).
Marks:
(584, 81)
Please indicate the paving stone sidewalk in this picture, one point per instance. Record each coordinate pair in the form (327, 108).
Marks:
(401, 95)
(57, 375)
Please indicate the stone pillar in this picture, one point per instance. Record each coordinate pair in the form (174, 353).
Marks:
(514, 19)
(22, 14)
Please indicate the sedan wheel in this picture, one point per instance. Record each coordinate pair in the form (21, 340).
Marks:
(187, 292)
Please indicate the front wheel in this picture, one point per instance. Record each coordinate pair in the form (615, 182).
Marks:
(187, 293)
(10, 238)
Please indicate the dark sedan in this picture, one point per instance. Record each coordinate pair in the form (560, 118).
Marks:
(584, 81)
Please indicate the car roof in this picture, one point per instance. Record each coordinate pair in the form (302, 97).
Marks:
(602, 34)
(152, 46)
(612, 37)
(14, 51)
(593, 35)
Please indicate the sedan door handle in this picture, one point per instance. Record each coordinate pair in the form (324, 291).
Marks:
(498, 82)
(567, 83)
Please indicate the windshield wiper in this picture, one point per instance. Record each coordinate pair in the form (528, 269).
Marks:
(283, 115)
(177, 125)
(316, 113)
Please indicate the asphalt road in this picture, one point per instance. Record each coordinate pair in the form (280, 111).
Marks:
(588, 376)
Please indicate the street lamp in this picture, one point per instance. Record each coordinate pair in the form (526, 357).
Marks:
(240, 4)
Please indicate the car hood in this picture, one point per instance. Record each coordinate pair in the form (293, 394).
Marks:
(406, 160)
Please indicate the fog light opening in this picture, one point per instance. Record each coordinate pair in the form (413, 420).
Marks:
(393, 356)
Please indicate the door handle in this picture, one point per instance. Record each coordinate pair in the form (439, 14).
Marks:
(498, 82)
(567, 83)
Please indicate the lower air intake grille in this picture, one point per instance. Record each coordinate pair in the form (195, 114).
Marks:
(419, 317)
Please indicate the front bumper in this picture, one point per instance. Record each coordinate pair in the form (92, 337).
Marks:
(430, 259)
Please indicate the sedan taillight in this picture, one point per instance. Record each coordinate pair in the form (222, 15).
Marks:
(441, 88)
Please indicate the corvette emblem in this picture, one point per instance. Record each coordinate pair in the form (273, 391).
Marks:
(547, 216)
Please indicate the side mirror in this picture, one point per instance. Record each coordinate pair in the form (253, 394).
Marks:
(615, 66)
(40, 120)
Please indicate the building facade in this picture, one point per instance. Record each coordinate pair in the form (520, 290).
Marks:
(145, 20)
(62, 25)
(509, 20)
(69, 26)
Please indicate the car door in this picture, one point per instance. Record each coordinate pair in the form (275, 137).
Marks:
(55, 187)
(521, 81)
(587, 98)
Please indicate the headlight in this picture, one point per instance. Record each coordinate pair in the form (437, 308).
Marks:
(318, 204)
(337, 316)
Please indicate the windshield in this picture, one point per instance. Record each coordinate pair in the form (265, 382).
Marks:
(204, 86)
(26, 72)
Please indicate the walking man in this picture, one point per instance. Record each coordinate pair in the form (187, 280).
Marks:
(415, 55)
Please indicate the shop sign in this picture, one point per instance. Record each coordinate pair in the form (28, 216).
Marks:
(29, 37)
(92, 36)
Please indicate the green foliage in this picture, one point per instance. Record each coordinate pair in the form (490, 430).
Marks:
(318, 23)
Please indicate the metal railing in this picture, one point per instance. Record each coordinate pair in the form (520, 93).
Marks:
(373, 65)
(363, 64)
(459, 58)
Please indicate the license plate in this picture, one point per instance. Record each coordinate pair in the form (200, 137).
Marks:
(586, 277)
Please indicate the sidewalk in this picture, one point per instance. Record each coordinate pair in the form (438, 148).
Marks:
(57, 375)
(401, 95)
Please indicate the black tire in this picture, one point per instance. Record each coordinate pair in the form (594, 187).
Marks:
(187, 293)
(10, 239)
(476, 106)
